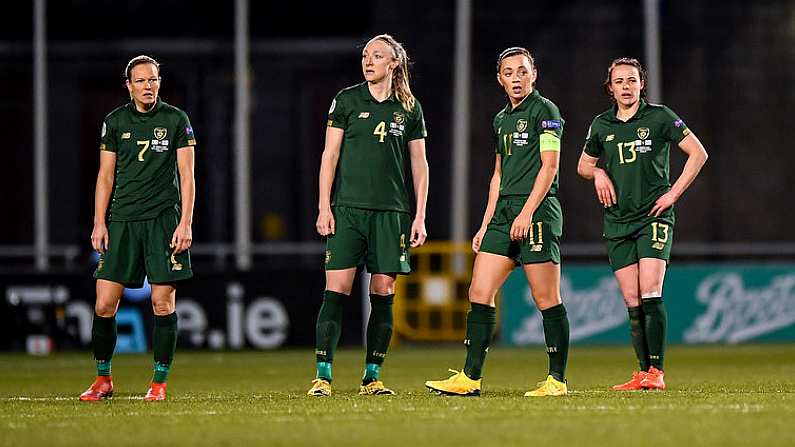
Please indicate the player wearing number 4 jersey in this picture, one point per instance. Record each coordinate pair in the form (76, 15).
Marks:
(373, 129)
(143, 211)
(633, 138)
(522, 225)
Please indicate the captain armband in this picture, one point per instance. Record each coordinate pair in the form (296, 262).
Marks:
(548, 141)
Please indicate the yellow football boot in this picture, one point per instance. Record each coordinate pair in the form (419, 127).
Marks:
(375, 388)
(457, 385)
(549, 387)
(320, 387)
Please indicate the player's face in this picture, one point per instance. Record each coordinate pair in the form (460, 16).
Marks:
(377, 61)
(144, 84)
(516, 76)
(625, 85)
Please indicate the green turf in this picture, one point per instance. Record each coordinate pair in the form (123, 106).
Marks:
(722, 396)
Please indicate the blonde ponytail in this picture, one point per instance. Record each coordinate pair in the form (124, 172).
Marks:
(400, 77)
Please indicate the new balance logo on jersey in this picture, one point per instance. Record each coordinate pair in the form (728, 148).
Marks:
(364, 115)
(610, 137)
(658, 245)
(125, 136)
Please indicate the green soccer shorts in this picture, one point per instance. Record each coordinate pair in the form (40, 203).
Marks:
(542, 243)
(377, 239)
(652, 239)
(141, 248)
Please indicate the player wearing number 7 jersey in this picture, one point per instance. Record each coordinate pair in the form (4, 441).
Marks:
(143, 211)
(633, 138)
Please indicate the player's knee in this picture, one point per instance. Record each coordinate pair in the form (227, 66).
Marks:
(164, 307)
(382, 285)
(105, 308)
(481, 295)
(631, 299)
(546, 299)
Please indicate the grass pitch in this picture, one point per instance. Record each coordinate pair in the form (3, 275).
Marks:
(722, 396)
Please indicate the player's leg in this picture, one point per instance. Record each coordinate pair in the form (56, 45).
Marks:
(623, 255)
(165, 268)
(379, 332)
(544, 280)
(655, 318)
(344, 251)
(103, 338)
(121, 265)
(387, 239)
(488, 275)
(654, 251)
(164, 338)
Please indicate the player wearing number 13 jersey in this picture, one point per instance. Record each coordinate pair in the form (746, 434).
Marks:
(374, 130)
(633, 138)
(143, 211)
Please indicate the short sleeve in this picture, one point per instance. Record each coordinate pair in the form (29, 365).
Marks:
(185, 136)
(593, 145)
(416, 128)
(549, 127)
(108, 137)
(338, 113)
(674, 128)
(495, 124)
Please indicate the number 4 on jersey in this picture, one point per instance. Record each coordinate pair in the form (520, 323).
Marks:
(380, 131)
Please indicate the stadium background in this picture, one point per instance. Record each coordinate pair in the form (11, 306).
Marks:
(726, 68)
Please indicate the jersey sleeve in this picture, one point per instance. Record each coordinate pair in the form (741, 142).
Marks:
(108, 140)
(338, 113)
(495, 124)
(416, 128)
(674, 128)
(549, 126)
(185, 136)
(593, 145)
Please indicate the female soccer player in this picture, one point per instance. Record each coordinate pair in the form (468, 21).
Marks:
(373, 127)
(522, 225)
(143, 212)
(634, 139)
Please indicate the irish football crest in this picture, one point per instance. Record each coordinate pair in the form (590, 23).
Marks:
(160, 132)
(521, 125)
(399, 118)
(643, 132)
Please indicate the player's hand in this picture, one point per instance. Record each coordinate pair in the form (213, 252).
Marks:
(418, 232)
(182, 238)
(605, 191)
(477, 239)
(325, 223)
(663, 202)
(521, 226)
(99, 237)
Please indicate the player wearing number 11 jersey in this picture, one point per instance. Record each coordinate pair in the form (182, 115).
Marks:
(633, 138)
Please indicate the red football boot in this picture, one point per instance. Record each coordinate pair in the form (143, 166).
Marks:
(157, 391)
(653, 380)
(102, 388)
(634, 383)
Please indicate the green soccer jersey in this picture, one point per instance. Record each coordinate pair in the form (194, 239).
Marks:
(523, 133)
(635, 156)
(147, 178)
(371, 172)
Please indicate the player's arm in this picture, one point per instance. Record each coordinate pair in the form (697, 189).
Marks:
(328, 166)
(419, 174)
(183, 234)
(491, 204)
(696, 157)
(104, 188)
(588, 170)
(550, 161)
